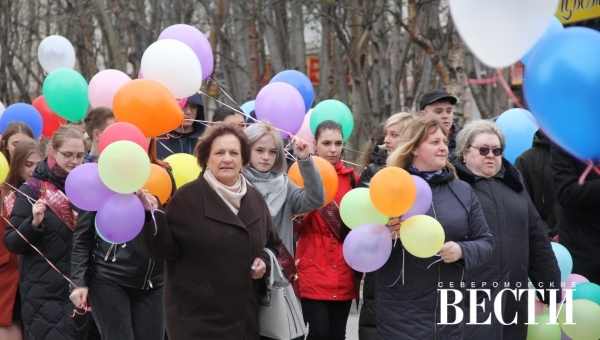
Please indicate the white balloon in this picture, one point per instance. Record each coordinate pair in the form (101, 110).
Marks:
(56, 52)
(500, 32)
(174, 65)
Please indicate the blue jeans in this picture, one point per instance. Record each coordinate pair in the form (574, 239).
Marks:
(124, 313)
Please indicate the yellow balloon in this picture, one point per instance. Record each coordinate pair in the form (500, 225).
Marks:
(185, 168)
(422, 236)
(124, 167)
(585, 323)
(4, 167)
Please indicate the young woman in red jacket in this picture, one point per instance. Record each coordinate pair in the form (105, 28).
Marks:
(327, 285)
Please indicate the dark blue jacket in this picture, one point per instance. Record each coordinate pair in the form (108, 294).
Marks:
(177, 142)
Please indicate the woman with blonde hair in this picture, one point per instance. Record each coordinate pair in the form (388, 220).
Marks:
(522, 250)
(408, 306)
(392, 131)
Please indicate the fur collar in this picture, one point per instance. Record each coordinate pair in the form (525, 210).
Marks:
(510, 175)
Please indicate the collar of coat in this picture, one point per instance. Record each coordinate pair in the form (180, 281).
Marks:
(511, 176)
(215, 208)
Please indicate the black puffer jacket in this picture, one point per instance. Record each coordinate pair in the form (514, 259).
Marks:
(407, 297)
(579, 223)
(367, 322)
(46, 308)
(522, 250)
(534, 165)
(176, 142)
(452, 139)
(378, 158)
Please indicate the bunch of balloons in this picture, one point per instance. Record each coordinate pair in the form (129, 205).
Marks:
(392, 193)
(108, 186)
(585, 306)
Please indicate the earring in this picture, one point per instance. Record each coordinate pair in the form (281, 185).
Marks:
(464, 161)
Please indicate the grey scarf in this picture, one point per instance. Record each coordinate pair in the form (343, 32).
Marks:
(273, 186)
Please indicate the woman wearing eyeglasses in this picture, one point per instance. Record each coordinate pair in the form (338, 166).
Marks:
(44, 216)
(522, 247)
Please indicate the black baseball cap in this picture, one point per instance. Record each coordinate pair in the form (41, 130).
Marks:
(434, 96)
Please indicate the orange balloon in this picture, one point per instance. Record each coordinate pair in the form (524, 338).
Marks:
(392, 191)
(149, 106)
(159, 183)
(328, 174)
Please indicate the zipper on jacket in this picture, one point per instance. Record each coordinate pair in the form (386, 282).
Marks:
(148, 276)
(108, 252)
(437, 300)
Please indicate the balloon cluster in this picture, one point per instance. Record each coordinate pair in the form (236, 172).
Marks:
(392, 193)
(585, 306)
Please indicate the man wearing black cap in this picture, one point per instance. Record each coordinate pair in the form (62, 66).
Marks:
(437, 104)
(184, 138)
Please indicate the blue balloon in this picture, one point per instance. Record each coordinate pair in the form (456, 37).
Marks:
(562, 86)
(24, 113)
(555, 27)
(564, 259)
(587, 291)
(518, 126)
(248, 107)
(301, 82)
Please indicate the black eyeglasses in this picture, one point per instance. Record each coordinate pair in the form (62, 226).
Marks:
(69, 155)
(484, 150)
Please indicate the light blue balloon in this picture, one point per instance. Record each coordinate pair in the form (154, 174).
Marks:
(587, 291)
(562, 87)
(248, 107)
(565, 261)
(518, 126)
(554, 27)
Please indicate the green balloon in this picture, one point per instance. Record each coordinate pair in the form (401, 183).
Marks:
(336, 111)
(357, 209)
(65, 92)
(585, 323)
(543, 330)
(124, 167)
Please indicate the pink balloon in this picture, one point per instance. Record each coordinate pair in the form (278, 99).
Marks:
(196, 40)
(282, 105)
(572, 281)
(140, 75)
(305, 133)
(539, 307)
(103, 87)
(181, 102)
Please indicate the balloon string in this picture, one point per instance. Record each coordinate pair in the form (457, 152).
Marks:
(29, 199)
(401, 275)
(584, 174)
(484, 80)
(510, 93)
(434, 262)
(152, 210)
(220, 88)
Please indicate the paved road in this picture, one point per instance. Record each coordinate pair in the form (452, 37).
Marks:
(352, 326)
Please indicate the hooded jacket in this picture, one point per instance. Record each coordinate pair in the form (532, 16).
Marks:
(46, 308)
(378, 159)
(522, 250)
(534, 165)
(579, 220)
(408, 305)
(177, 142)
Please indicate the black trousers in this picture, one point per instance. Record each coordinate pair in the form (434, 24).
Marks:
(326, 319)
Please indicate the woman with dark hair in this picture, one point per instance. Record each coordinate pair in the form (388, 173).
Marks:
(49, 226)
(26, 156)
(228, 115)
(327, 283)
(212, 237)
(125, 285)
(407, 298)
(13, 134)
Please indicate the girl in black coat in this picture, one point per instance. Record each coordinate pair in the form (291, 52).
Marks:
(46, 309)
(408, 304)
(522, 247)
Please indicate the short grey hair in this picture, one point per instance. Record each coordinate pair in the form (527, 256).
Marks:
(262, 128)
(473, 129)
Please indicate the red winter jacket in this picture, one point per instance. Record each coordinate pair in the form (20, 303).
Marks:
(323, 274)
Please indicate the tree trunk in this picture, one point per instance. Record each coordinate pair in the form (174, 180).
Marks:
(253, 40)
(296, 46)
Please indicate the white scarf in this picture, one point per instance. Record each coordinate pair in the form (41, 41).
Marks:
(231, 195)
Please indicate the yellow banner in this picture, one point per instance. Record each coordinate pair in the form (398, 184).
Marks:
(570, 11)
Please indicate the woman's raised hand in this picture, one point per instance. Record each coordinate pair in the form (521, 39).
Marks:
(37, 211)
(301, 149)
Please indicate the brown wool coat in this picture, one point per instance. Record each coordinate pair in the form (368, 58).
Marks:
(209, 291)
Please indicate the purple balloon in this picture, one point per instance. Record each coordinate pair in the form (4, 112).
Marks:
(282, 105)
(368, 247)
(121, 218)
(423, 200)
(85, 189)
(196, 40)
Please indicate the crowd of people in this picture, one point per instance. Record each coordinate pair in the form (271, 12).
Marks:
(198, 270)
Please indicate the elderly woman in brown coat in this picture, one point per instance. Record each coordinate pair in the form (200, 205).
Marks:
(212, 239)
